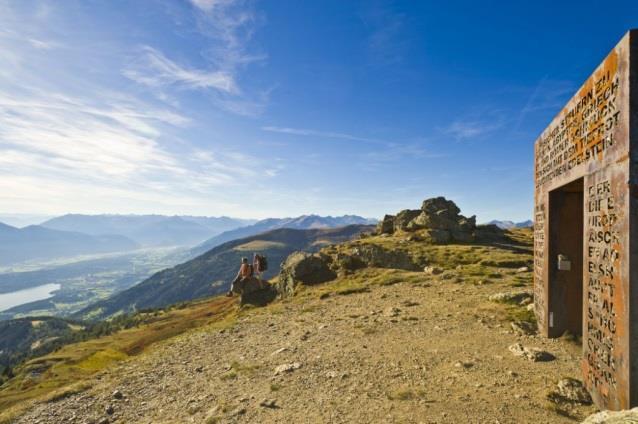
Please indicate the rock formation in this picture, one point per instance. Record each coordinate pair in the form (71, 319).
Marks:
(439, 218)
(306, 268)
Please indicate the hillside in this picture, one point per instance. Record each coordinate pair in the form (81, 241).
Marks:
(148, 230)
(212, 272)
(303, 222)
(25, 337)
(39, 243)
(373, 345)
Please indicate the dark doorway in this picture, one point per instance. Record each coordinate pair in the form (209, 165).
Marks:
(566, 206)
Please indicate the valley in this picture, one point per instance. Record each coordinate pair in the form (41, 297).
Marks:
(82, 281)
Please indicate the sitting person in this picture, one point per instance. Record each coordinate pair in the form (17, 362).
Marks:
(245, 271)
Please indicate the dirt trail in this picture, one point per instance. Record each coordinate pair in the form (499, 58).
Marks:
(430, 351)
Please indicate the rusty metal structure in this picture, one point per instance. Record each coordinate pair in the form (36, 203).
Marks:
(586, 226)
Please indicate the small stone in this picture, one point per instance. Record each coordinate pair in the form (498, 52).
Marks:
(117, 394)
(432, 270)
(286, 368)
(278, 351)
(522, 269)
(109, 410)
(510, 297)
(199, 369)
(530, 307)
(268, 403)
(103, 421)
(530, 353)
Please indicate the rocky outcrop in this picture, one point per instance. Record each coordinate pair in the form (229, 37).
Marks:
(386, 225)
(305, 268)
(439, 217)
(376, 256)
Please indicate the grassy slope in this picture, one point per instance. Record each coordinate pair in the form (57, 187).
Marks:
(66, 370)
(70, 368)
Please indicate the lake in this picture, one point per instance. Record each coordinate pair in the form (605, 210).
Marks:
(20, 297)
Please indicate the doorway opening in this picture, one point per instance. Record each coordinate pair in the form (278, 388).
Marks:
(565, 297)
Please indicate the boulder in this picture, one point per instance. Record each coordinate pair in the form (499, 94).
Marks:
(254, 291)
(489, 233)
(573, 390)
(306, 268)
(437, 204)
(613, 417)
(386, 225)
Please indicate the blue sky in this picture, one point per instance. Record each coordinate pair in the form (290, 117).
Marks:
(280, 108)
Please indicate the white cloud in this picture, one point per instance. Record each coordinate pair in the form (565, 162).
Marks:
(208, 5)
(154, 69)
(45, 45)
(467, 129)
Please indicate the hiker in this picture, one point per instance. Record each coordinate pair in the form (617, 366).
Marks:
(260, 265)
(245, 271)
(257, 265)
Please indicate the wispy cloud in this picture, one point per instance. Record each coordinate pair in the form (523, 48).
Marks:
(475, 125)
(154, 69)
(323, 134)
(45, 45)
(547, 94)
(227, 26)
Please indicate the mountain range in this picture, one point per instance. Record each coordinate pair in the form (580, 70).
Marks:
(506, 225)
(302, 222)
(212, 272)
(37, 242)
(148, 230)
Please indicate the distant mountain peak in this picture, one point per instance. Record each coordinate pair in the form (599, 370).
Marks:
(506, 225)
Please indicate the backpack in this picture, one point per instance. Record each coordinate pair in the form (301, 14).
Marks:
(263, 263)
